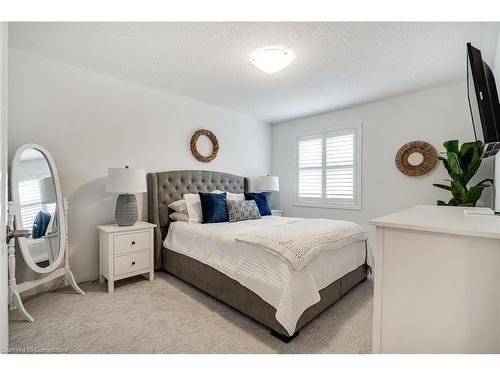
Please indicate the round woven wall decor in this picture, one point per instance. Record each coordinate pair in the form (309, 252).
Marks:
(215, 145)
(416, 158)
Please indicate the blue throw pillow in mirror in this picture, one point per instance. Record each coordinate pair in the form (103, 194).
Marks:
(40, 224)
(214, 208)
(261, 200)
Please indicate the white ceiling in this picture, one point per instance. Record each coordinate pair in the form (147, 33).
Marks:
(336, 65)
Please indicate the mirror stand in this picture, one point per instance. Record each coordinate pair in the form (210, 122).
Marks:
(15, 302)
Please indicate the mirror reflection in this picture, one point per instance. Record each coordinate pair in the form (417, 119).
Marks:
(37, 204)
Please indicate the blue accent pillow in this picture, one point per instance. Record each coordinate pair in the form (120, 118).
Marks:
(261, 200)
(214, 207)
(40, 224)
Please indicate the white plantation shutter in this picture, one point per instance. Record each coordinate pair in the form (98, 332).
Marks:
(31, 202)
(340, 167)
(310, 168)
(329, 169)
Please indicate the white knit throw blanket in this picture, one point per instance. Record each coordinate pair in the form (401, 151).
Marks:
(299, 241)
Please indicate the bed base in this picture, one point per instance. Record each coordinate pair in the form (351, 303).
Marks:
(285, 339)
(167, 187)
(232, 293)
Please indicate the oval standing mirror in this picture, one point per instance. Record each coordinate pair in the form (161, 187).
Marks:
(38, 205)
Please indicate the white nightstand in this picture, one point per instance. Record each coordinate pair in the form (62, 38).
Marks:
(277, 212)
(125, 252)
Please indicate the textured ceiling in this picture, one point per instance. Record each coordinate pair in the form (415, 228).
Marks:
(337, 64)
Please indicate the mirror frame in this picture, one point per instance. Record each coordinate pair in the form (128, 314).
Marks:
(23, 243)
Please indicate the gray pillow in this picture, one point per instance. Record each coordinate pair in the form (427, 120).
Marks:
(239, 210)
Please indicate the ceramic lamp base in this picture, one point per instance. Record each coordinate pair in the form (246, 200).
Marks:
(126, 210)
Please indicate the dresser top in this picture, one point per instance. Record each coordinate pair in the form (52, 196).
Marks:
(442, 219)
(110, 228)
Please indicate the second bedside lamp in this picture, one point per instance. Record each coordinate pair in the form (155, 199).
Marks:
(268, 184)
(126, 181)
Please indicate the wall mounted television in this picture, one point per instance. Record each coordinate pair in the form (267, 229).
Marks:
(483, 101)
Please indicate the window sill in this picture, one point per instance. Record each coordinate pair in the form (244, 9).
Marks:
(331, 206)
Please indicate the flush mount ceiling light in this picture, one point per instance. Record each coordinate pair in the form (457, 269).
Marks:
(272, 59)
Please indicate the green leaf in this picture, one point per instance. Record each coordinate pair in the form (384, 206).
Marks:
(445, 163)
(454, 163)
(445, 187)
(458, 190)
(468, 151)
(467, 147)
(482, 183)
(441, 203)
(462, 164)
(455, 171)
(466, 205)
(473, 195)
(451, 146)
(472, 165)
(472, 170)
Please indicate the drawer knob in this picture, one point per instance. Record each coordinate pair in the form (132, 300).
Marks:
(133, 263)
(133, 242)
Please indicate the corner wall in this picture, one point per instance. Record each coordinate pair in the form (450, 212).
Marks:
(433, 116)
(90, 122)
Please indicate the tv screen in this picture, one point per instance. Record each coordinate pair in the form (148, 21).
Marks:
(483, 101)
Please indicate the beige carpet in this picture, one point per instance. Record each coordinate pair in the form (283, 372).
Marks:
(169, 316)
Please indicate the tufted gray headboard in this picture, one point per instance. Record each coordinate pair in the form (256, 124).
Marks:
(167, 187)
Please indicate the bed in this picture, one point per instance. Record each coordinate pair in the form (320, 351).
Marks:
(245, 277)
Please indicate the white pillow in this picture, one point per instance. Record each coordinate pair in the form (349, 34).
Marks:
(231, 196)
(179, 216)
(193, 206)
(235, 196)
(179, 206)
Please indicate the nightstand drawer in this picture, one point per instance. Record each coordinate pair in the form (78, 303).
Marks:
(125, 243)
(131, 263)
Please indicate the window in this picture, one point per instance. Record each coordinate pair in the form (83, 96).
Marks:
(31, 202)
(329, 169)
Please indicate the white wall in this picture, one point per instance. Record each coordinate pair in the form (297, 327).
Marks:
(496, 65)
(4, 314)
(432, 115)
(496, 73)
(90, 122)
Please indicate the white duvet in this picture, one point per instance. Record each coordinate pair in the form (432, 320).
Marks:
(290, 291)
(299, 242)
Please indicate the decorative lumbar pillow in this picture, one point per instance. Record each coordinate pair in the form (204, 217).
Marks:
(179, 216)
(235, 196)
(261, 200)
(178, 206)
(213, 207)
(242, 210)
(193, 206)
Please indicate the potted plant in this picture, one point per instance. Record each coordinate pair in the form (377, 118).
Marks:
(462, 163)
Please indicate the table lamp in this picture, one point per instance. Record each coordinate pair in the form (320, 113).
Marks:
(268, 184)
(47, 190)
(126, 181)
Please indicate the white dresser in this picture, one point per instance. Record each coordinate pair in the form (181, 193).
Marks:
(125, 252)
(437, 282)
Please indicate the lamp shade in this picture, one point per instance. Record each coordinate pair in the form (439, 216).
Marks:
(126, 180)
(47, 190)
(268, 183)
